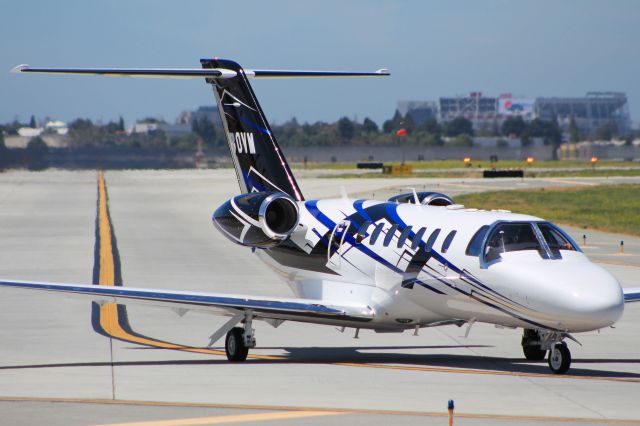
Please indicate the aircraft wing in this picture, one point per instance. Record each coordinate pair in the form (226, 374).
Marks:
(631, 294)
(303, 310)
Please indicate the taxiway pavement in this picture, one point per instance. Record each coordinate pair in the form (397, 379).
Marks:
(165, 239)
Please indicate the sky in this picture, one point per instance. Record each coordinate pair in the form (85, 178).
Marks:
(432, 48)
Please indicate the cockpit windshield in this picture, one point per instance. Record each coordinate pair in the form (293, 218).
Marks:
(543, 237)
(555, 239)
(507, 237)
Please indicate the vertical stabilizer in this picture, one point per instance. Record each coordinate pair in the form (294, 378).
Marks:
(258, 160)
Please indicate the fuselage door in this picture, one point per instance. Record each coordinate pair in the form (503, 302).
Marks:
(336, 242)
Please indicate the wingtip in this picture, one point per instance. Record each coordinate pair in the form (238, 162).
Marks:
(19, 68)
(383, 71)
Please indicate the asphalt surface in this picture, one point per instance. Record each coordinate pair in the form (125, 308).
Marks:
(56, 369)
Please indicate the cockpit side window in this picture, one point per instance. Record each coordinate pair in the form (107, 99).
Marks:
(475, 245)
(508, 237)
(554, 239)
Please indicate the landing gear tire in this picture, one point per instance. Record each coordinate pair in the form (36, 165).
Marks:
(234, 345)
(533, 352)
(560, 359)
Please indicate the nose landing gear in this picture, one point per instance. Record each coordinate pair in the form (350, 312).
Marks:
(559, 358)
(536, 344)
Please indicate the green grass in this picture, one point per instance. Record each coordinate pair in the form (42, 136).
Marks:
(611, 208)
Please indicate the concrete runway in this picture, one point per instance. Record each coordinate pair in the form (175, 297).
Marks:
(55, 369)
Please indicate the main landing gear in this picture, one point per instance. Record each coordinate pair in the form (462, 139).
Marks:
(239, 339)
(536, 344)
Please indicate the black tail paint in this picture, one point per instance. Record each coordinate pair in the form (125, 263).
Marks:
(258, 160)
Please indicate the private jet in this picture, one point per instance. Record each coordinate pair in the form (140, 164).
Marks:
(415, 260)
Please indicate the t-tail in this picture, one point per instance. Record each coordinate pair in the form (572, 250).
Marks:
(259, 162)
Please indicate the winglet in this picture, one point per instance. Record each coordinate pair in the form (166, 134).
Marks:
(19, 68)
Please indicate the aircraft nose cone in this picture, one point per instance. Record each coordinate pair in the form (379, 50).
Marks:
(593, 299)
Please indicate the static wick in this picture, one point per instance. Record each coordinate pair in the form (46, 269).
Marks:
(450, 407)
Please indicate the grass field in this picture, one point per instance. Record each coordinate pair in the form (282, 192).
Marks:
(611, 208)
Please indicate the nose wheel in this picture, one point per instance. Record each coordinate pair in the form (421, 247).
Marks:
(536, 344)
(559, 358)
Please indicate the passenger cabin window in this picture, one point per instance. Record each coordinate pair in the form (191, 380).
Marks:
(554, 239)
(390, 232)
(362, 232)
(447, 241)
(376, 233)
(508, 237)
(403, 236)
(475, 245)
(417, 238)
(432, 239)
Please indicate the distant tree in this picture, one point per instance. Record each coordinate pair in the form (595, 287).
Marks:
(81, 124)
(346, 129)
(369, 126)
(432, 126)
(32, 122)
(513, 126)
(459, 126)
(574, 133)
(408, 124)
(606, 132)
(392, 125)
(495, 130)
(4, 151)
(206, 130)
(463, 139)
(554, 135)
(36, 153)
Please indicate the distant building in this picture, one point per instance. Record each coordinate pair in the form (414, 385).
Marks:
(59, 127)
(30, 132)
(482, 111)
(420, 111)
(207, 112)
(143, 127)
(590, 112)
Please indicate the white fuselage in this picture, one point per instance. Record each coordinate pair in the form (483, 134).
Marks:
(432, 279)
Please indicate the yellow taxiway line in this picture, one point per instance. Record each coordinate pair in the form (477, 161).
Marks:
(237, 418)
(443, 414)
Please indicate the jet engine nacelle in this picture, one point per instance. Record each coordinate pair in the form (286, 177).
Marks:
(425, 198)
(259, 219)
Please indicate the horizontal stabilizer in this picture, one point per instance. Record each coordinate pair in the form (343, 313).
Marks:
(220, 73)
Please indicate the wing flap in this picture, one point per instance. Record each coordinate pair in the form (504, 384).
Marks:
(304, 310)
